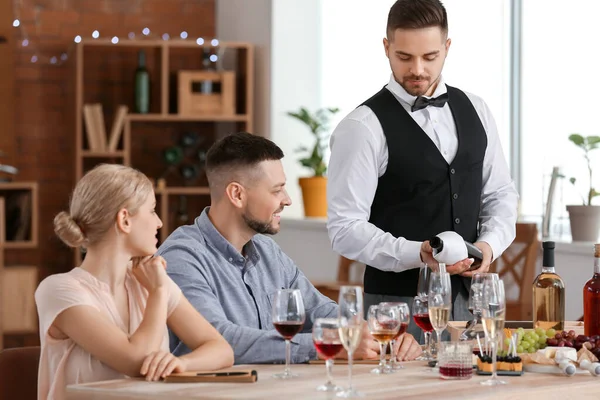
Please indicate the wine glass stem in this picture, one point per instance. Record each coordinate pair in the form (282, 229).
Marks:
(382, 349)
(438, 336)
(288, 351)
(329, 367)
(393, 360)
(493, 344)
(350, 371)
(428, 343)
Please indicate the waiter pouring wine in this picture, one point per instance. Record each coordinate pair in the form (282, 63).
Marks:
(416, 159)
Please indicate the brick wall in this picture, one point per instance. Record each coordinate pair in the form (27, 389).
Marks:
(44, 139)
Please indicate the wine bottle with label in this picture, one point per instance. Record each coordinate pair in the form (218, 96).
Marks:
(548, 294)
(473, 251)
(591, 299)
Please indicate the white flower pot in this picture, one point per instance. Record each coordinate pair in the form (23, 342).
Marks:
(585, 223)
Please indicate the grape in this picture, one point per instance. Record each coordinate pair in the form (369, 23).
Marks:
(534, 336)
(540, 331)
(551, 332)
(525, 345)
(558, 336)
(520, 349)
(507, 342)
(552, 342)
(542, 339)
(531, 350)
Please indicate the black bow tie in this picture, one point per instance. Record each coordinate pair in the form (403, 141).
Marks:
(422, 102)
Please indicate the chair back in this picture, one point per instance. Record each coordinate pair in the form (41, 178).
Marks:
(19, 373)
(516, 267)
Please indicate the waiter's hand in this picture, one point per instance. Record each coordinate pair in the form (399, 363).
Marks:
(407, 348)
(457, 268)
(486, 249)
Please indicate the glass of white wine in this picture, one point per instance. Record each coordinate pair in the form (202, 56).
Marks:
(493, 312)
(440, 302)
(350, 313)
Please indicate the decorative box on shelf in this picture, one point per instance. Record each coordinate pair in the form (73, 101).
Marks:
(206, 92)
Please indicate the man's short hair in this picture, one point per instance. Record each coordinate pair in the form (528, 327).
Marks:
(416, 14)
(235, 155)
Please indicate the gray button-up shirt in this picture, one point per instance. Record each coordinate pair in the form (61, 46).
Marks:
(234, 292)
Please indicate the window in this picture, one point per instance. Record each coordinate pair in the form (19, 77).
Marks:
(354, 65)
(559, 85)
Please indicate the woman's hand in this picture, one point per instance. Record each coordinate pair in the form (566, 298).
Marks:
(159, 364)
(150, 272)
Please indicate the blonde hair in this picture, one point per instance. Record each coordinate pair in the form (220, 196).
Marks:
(96, 200)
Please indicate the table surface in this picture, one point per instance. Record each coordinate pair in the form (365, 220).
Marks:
(416, 381)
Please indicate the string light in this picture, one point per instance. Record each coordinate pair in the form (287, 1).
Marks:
(56, 60)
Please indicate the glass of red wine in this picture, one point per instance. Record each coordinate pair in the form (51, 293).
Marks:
(404, 316)
(420, 313)
(288, 318)
(326, 337)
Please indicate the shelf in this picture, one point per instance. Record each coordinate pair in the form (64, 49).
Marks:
(102, 154)
(18, 185)
(159, 43)
(182, 190)
(185, 118)
(21, 244)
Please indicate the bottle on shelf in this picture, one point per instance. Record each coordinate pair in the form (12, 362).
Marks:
(548, 294)
(206, 85)
(142, 85)
(591, 299)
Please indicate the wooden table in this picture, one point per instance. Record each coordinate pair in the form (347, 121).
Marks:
(414, 382)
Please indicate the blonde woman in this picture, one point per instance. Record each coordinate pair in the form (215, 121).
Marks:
(108, 318)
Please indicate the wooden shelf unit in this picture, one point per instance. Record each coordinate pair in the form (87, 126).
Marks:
(165, 58)
(18, 282)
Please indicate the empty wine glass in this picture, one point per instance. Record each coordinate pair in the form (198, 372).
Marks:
(420, 312)
(440, 302)
(475, 304)
(326, 337)
(350, 313)
(404, 316)
(384, 323)
(423, 282)
(288, 318)
(493, 312)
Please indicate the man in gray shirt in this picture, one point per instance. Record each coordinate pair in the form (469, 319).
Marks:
(229, 270)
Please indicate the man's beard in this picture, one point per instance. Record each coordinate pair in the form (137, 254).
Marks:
(261, 227)
(421, 92)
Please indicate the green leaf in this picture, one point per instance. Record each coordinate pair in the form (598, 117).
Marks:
(577, 139)
(572, 180)
(592, 140)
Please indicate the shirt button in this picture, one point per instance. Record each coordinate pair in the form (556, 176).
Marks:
(455, 196)
(457, 220)
(452, 171)
(230, 259)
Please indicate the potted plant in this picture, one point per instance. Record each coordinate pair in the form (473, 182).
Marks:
(585, 218)
(314, 187)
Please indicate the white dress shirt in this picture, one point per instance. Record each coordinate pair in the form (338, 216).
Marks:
(359, 156)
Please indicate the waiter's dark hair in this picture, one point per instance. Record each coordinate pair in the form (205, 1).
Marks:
(416, 14)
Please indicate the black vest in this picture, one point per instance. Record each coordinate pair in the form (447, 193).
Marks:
(420, 195)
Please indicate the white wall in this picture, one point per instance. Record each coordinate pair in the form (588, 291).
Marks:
(249, 21)
(295, 82)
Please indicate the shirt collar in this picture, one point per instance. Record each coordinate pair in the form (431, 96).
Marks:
(402, 95)
(218, 241)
